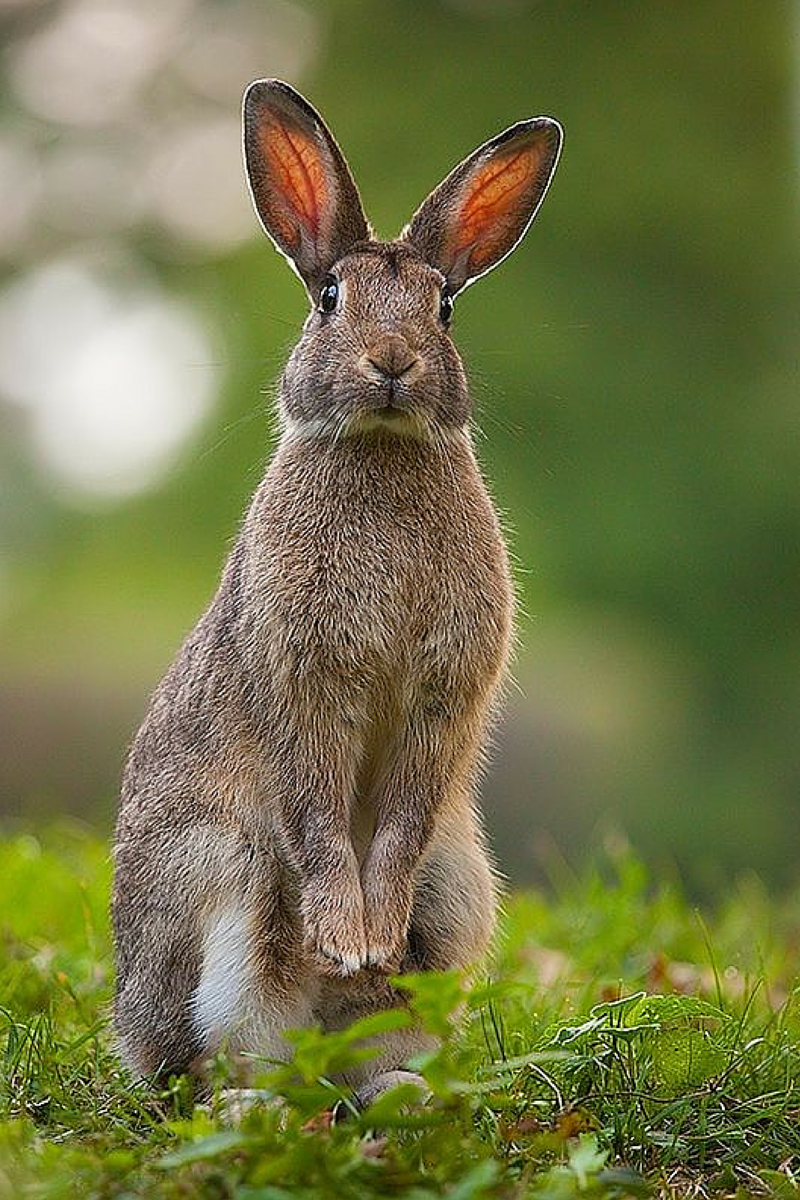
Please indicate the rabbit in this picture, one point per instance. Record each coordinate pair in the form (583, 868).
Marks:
(297, 819)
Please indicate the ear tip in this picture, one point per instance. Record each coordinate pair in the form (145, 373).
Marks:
(553, 123)
(534, 130)
(549, 127)
(260, 88)
(276, 92)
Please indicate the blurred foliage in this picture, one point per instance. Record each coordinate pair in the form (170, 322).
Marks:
(635, 370)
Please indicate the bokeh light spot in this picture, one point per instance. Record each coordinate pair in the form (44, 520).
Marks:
(114, 376)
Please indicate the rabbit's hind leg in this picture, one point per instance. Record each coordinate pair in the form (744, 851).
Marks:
(455, 898)
(207, 951)
(156, 1035)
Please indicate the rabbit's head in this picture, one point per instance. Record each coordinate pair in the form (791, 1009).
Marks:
(376, 351)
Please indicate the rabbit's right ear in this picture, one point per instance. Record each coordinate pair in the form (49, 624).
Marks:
(301, 186)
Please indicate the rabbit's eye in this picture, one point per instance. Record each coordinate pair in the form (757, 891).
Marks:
(329, 294)
(446, 308)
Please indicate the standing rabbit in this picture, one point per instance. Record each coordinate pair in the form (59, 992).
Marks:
(297, 818)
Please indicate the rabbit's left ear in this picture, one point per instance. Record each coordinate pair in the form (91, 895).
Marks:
(479, 213)
(302, 188)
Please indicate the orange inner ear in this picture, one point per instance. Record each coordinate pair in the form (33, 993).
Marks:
(297, 177)
(491, 206)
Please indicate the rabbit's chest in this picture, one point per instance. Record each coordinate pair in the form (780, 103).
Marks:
(402, 597)
(388, 571)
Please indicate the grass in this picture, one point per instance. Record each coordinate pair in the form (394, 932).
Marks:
(620, 1046)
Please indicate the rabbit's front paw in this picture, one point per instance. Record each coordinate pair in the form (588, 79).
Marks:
(333, 933)
(386, 937)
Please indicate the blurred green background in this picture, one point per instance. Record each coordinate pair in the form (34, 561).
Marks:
(635, 365)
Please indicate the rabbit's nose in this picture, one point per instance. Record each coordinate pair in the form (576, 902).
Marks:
(392, 357)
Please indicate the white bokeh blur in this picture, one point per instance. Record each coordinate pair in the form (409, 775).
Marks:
(122, 126)
(88, 64)
(113, 376)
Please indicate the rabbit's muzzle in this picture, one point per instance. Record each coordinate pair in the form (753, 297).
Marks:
(391, 359)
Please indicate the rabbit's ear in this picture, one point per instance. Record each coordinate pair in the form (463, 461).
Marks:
(478, 214)
(301, 186)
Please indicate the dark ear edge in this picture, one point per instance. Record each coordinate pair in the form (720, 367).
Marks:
(301, 186)
(465, 236)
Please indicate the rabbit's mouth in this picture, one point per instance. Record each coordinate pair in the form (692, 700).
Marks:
(390, 417)
(391, 413)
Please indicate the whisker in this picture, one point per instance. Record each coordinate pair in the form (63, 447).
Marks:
(233, 427)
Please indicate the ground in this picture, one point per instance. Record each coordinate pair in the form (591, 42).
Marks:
(621, 1043)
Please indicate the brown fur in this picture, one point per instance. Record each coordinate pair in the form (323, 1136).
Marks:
(297, 816)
